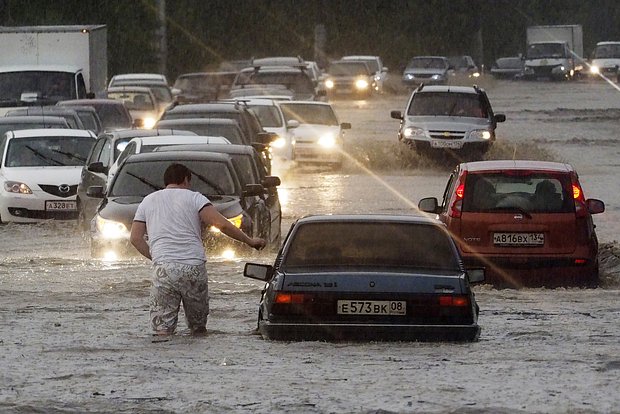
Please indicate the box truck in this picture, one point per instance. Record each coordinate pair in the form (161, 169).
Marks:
(554, 52)
(41, 65)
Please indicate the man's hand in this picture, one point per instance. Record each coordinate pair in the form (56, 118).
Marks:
(258, 243)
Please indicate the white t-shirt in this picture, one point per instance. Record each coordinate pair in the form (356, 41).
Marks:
(173, 225)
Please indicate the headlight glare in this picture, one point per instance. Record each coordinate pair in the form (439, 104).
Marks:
(329, 84)
(278, 143)
(110, 229)
(16, 187)
(480, 134)
(411, 132)
(149, 122)
(327, 141)
(361, 84)
(594, 69)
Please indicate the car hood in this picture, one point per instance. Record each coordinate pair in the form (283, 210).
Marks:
(314, 130)
(448, 123)
(123, 209)
(44, 175)
(414, 280)
(424, 71)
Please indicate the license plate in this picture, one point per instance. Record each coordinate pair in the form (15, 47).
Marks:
(372, 307)
(447, 144)
(60, 206)
(519, 239)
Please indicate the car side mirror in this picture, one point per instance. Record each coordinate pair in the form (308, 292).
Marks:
(97, 167)
(293, 123)
(595, 206)
(345, 125)
(258, 271)
(95, 191)
(429, 205)
(396, 115)
(499, 117)
(271, 181)
(252, 190)
(476, 275)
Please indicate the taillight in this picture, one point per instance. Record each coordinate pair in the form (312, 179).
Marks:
(457, 204)
(580, 200)
(287, 298)
(454, 300)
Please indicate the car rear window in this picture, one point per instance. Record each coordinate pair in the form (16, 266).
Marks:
(376, 245)
(447, 104)
(509, 191)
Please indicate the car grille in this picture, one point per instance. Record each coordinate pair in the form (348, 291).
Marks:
(43, 215)
(544, 70)
(440, 134)
(56, 190)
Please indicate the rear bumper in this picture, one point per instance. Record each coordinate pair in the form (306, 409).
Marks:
(367, 332)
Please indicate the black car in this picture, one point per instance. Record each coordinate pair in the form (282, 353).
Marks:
(106, 150)
(213, 127)
(14, 123)
(213, 175)
(70, 115)
(367, 277)
(250, 170)
(112, 113)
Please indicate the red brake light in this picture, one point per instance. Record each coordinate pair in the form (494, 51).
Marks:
(459, 301)
(460, 190)
(457, 204)
(282, 297)
(577, 193)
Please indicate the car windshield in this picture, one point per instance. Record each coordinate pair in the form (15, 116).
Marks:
(89, 120)
(372, 64)
(139, 101)
(268, 115)
(43, 84)
(298, 82)
(607, 51)
(229, 131)
(509, 63)
(211, 178)
(309, 113)
(348, 69)
(545, 50)
(48, 151)
(427, 63)
(376, 245)
(519, 191)
(447, 104)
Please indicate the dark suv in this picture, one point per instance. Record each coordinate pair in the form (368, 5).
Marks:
(457, 118)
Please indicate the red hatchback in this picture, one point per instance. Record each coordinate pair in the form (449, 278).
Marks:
(527, 222)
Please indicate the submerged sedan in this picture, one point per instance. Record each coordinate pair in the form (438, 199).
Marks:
(367, 277)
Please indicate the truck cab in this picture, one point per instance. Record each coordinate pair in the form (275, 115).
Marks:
(38, 85)
(549, 60)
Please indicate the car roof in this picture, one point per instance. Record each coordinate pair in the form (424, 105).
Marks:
(449, 88)
(225, 148)
(40, 68)
(205, 74)
(51, 132)
(501, 165)
(369, 218)
(178, 139)
(133, 133)
(300, 69)
(207, 107)
(98, 101)
(256, 101)
(28, 119)
(198, 121)
(129, 88)
(430, 56)
(359, 57)
(138, 76)
(177, 156)
(306, 103)
(35, 110)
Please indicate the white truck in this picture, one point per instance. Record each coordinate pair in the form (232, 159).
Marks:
(41, 65)
(554, 52)
(605, 59)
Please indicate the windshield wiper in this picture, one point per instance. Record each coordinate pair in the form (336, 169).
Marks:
(43, 157)
(145, 181)
(208, 182)
(70, 155)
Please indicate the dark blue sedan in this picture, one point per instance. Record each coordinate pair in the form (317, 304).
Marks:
(367, 277)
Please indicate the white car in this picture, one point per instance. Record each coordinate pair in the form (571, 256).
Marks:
(140, 77)
(141, 103)
(375, 64)
(319, 136)
(272, 119)
(148, 144)
(40, 171)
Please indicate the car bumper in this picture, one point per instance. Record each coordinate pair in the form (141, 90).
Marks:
(317, 154)
(427, 81)
(454, 145)
(32, 209)
(366, 332)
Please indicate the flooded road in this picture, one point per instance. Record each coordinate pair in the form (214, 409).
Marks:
(75, 337)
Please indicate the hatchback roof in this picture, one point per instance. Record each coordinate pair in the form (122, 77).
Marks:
(179, 139)
(133, 133)
(449, 88)
(51, 132)
(501, 165)
(177, 156)
(29, 119)
(226, 148)
(197, 121)
(369, 218)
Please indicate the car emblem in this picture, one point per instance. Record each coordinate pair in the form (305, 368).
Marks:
(372, 284)
(63, 188)
(446, 133)
(518, 216)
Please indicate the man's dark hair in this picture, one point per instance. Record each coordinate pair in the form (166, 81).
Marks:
(176, 174)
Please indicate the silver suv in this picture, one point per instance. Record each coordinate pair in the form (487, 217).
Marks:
(439, 118)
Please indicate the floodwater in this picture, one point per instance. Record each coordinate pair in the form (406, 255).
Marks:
(74, 333)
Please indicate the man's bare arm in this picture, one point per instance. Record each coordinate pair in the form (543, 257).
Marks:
(138, 231)
(210, 216)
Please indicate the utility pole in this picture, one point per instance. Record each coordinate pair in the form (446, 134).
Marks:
(162, 35)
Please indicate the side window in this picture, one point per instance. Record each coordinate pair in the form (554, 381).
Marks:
(2, 146)
(106, 154)
(94, 154)
(448, 191)
(81, 87)
(130, 149)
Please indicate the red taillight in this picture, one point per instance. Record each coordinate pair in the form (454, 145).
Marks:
(576, 192)
(283, 297)
(454, 301)
(457, 204)
(580, 200)
(460, 191)
(581, 261)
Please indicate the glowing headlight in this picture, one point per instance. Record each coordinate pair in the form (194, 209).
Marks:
(435, 77)
(236, 221)
(410, 132)
(409, 76)
(476, 74)
(278, 143)
(377, 78)
(480, 134)
(111, 229)
(361, 84)
(149, 122)
(329, 84)
(327, 141)
(595, 70)
(16, 187)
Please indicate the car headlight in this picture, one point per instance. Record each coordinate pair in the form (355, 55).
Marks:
(327, 141)
(480, 134)
(595, 70)
(110, 229)
(476, 74)
(278, 142)
(16, 187)
(149, 122)
(361, 84)
(329, 84)
(236, 221)
(377, 78)
(409, 76)
(411, 132)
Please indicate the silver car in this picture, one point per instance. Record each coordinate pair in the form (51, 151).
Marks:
(439, 118)
(428, 70)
